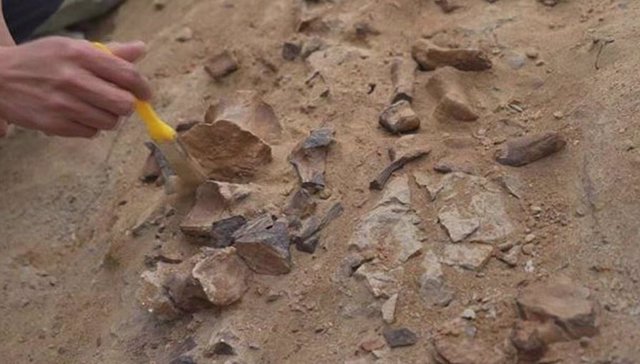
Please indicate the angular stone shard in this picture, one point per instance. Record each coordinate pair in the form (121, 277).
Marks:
(562, 302)
(309, 158)
(380, 281)
(206, 210)
(247, 110)
(301, 204)
(433, 289)
(400, 337)
(430, 56)
(223, 276)
(264, 245)
(470, 256)
(530, 148)
(222, 231)
(458, 227)
(171, 290)
(221, 65)
(235, 157)
(447, 86)
(399, 118)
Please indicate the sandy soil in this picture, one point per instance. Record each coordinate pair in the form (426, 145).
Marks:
(70, 267)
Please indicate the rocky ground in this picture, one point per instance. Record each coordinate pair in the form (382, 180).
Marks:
(407, 181)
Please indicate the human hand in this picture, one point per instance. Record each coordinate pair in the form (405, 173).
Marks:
(68, 87)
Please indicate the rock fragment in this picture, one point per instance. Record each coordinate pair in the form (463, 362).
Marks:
(458, 227)
(563, 303)
(400, 337)
(223, 276)
(433, 289)
(399, 118)
(221, 65)
(381, 180)
(222, 231)
(528, 149)
(264, 245)
(309, 158)
(171, 290)
(206, 210)
(446, 85)
(301, 204)
(469, 256)
(307, 239)
(380, 281)
(402, 78)
(430, 56)
(389, 309)
(291, 50)
(474, 198)
(185, 34)
(236, 157)
(223, 343)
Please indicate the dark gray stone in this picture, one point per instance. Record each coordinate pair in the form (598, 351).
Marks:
(400, 337)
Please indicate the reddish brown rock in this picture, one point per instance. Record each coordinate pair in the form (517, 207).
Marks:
(250, 112)
(563, 303)
(207, 209)
(402, 78)
(221, 65)
(530, 148)
(399, 118)
(234, 157)
(430, 56)
(264, 245)
(309, 158)
(223, 276)
(446, 85)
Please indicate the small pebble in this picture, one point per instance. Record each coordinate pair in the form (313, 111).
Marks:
(529, 238)
(469, 314)
(558, 115)
(528, 249)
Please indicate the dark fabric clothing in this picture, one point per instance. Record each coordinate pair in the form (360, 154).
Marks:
(23, 17)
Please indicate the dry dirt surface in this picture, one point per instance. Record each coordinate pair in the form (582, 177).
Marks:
(458, 258)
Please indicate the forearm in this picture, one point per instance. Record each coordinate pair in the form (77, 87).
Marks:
(5, 37)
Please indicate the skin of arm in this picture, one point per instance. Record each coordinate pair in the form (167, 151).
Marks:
(67, 87)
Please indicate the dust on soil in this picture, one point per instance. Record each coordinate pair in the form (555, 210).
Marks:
(70, 266)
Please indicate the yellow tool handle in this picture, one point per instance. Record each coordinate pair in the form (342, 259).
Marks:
(158, 130)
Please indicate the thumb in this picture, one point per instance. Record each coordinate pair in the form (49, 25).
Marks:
(131, 51)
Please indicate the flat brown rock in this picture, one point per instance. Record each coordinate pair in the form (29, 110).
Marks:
(247, 110)
(530, 148)
(430, 56)
(226, 151)
(223, 276)
(207, 209)
(563, 303)
(221, 65)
